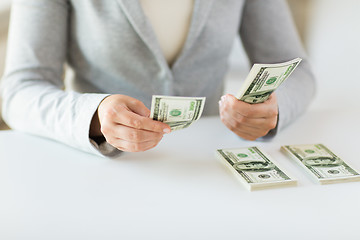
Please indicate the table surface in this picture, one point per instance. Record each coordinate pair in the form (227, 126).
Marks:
(179, 190)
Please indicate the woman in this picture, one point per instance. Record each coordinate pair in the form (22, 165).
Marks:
(124, 51)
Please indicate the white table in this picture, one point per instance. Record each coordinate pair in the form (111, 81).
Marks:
(178, 190)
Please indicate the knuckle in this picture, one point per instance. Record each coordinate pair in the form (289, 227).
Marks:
(135, 136)
(224, 107)
(237, 124)
(247, 136)
(231, 127)
(222, 118)
(111, 142)
(224, 113)
(109, 113)
(273, 112)
(152, 145)
(157, 127)
(132, 147)
(247, 112)
(105, 128)
(221, 111)
(250, 138)
(135, 123)
(136, 148)
(250, 112)
(231, 104)
(158, 137)
(273, 124)
(241, 119)
(263, 133)
(136, 102)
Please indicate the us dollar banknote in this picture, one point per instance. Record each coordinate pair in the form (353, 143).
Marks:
(254, 168)
(177, 112)
(321, 163)
(264, 79)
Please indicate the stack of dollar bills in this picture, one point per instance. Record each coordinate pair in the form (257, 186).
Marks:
(254, 168)
(177, 112)
(264, 79)
(321, 163)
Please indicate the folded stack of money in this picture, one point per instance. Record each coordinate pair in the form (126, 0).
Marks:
(321, 163)
(177, 112)
(264, 79)
(254, 168)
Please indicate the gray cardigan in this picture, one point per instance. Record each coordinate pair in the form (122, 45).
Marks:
(112, 49)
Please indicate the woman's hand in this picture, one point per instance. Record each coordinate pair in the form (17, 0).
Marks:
(124, 122)
(249, 121)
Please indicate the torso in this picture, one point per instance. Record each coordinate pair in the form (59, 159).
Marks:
(170, 20)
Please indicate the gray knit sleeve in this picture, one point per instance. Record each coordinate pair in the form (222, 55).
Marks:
(269, 36)
(32, 88)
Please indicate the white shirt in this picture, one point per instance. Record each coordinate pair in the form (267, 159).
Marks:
(170, 20)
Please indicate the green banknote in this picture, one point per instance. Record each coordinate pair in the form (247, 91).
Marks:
(254, 168)
(177, 112)
(264, 79)
(321, 163)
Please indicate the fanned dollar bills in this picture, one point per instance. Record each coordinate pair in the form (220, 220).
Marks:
(254, 168)
(321, 163)
(264, 79)
(177, 112)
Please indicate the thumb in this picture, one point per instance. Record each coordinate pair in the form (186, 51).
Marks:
(138, 107)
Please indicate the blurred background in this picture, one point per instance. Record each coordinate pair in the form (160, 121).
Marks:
(330, 33)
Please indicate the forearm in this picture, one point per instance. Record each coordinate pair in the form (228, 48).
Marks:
(269, 36)
(40, 108)
(32, 88)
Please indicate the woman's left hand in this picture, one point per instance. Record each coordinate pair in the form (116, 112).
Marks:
(249, 121)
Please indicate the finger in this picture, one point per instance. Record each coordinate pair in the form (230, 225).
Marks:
(237, 120)
(266, 109)
(135, 135)
(240, 120)
(258, 123)
(245, 132)
(126, 146)
(137, 106)
(125, 117)
(248, 135)
(250, 130)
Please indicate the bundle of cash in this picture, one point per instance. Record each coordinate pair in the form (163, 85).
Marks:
(254, 168)
(177, 112)
(264, 79)
(321, 163)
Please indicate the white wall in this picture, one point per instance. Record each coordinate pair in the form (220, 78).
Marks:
(333, 43)
(334, 47)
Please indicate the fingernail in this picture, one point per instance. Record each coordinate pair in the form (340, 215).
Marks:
(220, 102)
(166, 130)
(223, 98)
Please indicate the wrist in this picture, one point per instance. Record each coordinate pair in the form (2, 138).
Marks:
(95, 126)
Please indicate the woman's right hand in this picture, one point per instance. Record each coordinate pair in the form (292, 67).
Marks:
(124, 122)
